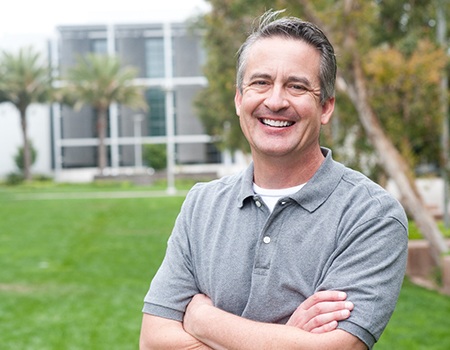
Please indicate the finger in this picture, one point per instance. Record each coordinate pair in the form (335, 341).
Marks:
(319, 314)
(329, 306)
(325, 328)
(324, 322)
(324, 307)
(327, 295)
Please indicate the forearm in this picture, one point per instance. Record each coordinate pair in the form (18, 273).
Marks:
(221, 330)
(160, 333)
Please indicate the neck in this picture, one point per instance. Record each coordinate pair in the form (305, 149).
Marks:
(278, 173)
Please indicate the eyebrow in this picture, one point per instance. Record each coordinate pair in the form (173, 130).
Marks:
(260, 76)
(291, 79)
(303, 80)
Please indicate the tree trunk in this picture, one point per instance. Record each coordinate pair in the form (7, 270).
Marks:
(26, 145)
(101, 129)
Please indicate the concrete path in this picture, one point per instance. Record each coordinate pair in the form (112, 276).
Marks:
(96, 195)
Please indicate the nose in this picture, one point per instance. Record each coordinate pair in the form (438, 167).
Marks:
(276, 99)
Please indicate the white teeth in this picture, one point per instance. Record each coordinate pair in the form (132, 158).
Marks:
(277, 123)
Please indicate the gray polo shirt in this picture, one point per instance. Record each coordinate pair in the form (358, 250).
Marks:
(341, 232)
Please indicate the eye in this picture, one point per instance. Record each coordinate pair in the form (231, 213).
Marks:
(259, 83)
(299, 88)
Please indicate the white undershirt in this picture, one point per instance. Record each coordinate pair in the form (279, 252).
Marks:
(271, 197)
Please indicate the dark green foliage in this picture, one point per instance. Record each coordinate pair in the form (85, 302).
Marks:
(19, 157)
(155, 156)
(13, 179)
(226, 28)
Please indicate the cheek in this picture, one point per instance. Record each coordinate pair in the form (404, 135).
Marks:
(312, 110)
(250, 101)
(244, 121)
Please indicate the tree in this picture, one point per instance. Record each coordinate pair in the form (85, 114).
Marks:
(355, 29)
(353, 81)
(411, 81)
(225, 29)
(99, 81)
(24, 79)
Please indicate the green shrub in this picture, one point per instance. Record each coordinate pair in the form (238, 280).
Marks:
(155, 156)
(18, 158)
(13, 179)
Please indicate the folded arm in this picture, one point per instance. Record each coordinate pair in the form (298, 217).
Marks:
(222, 330)
(317, 314)
(163, 333)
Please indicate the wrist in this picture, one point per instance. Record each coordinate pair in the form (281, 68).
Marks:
(196, 316)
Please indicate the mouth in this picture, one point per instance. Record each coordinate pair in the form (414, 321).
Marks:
(276, 123)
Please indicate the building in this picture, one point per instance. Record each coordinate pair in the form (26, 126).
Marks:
(169, 59)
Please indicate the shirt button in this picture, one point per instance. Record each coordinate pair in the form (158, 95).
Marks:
(258, 204)
(266, 239)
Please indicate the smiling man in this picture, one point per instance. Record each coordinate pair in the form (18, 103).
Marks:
(296, 252)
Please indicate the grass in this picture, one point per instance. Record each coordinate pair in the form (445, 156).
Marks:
(74, 273)
(420, 322)
(414, 232)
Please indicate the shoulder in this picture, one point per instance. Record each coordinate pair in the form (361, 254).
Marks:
(217, 192)
(371, 198)
(222, 185)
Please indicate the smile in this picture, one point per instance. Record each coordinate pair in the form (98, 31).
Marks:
(276, 123)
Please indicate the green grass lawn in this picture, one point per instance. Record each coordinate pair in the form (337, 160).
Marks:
(74, 273)
(421, 321)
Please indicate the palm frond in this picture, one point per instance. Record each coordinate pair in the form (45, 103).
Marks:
(100, 80)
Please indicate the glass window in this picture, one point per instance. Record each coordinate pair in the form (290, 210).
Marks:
(157, 113)
(154, 52)
(99, 46)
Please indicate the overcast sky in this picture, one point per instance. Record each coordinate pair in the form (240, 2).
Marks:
(23, 20)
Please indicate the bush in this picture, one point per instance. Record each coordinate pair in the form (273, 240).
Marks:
(42, 178)
(13, 179)
(155, 156)
(18, 158)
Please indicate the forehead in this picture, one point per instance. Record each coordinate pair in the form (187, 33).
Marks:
(278, 56)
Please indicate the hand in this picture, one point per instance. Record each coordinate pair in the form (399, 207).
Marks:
(197, 302)
(321, 312)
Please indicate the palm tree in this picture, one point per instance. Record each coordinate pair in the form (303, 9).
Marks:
(24, 79)
(99, 81)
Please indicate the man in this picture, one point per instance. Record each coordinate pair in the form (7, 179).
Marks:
(298, 251)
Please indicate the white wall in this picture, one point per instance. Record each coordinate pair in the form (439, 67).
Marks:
(38, 117)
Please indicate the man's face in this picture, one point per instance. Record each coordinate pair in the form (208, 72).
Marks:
(279, 108)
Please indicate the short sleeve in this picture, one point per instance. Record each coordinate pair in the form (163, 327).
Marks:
(369, 265)
(174, 283)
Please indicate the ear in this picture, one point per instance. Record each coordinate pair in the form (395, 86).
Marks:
(327, 110)
(237, 102)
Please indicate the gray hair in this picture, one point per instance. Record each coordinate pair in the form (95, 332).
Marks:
(293, 28)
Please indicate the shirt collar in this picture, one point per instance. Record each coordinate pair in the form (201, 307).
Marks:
(246, 190)
(322, 184)
(313, 194)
